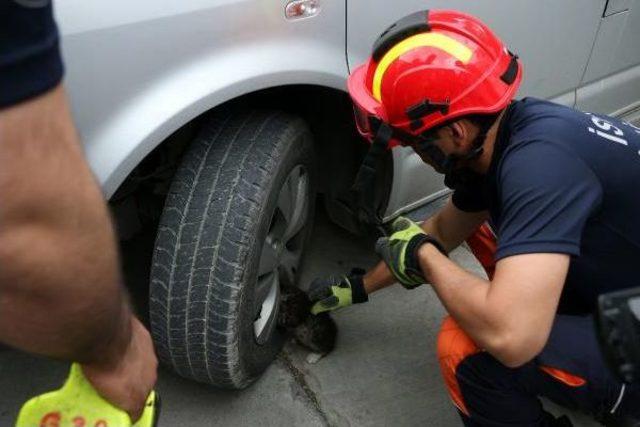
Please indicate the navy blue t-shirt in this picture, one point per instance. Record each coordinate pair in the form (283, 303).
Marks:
(30, 61)
(565, 181)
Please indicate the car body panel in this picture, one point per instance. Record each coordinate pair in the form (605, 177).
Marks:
(611, 84)
(138, 71)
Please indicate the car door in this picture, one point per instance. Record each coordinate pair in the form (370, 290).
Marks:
(553, 38)
(611, 83)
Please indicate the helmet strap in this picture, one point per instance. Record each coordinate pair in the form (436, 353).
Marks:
(364, 186)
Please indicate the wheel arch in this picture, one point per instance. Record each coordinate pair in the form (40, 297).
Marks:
(150, 122)
(327, 111)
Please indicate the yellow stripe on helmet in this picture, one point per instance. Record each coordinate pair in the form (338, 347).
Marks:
(440, 41)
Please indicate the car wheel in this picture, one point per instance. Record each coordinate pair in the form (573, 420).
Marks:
(232, 232)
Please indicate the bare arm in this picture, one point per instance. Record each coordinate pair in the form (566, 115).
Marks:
(450, 226)
(61, 293)
(511, 316)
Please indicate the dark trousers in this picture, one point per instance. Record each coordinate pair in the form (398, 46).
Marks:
(569, 371)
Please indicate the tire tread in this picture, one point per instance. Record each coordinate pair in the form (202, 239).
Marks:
(204, 236)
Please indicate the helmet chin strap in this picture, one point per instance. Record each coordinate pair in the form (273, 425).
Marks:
(453, 160)
(447, 163)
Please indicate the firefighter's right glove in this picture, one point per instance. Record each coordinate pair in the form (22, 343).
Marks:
(333, 293)
(400, 251)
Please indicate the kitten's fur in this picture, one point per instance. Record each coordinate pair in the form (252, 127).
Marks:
(316, 333)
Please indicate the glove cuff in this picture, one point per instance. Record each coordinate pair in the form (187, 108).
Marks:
(358, 294)
(416, 242)
(425, 238)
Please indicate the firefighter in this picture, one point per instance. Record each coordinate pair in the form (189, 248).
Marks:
(546, 197)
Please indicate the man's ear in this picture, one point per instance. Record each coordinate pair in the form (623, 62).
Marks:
(458, 132)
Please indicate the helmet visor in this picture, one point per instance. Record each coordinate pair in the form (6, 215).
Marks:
(366, 123)
(369, 114)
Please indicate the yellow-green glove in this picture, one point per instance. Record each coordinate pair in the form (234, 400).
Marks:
(78, 404)
(332, 293)
(400, 251)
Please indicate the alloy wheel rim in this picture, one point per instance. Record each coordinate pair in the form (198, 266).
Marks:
(281, 251)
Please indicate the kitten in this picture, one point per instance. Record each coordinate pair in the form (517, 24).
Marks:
(315, 333)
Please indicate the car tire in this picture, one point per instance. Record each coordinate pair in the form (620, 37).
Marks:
(233, 230)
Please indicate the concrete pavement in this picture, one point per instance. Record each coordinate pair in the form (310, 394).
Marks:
(383, 371)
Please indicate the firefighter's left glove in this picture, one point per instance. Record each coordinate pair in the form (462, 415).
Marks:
(400, 251)
(333, 293)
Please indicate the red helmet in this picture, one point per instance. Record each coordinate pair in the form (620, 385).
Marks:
(431, 67)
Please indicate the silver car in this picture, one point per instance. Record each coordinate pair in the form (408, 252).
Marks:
(213, 124)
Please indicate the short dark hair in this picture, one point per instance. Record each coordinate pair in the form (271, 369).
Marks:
(483, 121)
